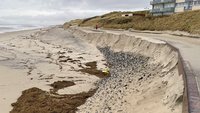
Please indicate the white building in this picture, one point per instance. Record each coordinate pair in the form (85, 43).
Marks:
(167, 7)
(124, 15)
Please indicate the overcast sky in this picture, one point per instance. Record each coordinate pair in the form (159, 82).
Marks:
(49, 12)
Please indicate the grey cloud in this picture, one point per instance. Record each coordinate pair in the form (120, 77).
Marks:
(59, 11)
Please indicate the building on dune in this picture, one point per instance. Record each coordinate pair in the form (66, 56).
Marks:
(168, 7)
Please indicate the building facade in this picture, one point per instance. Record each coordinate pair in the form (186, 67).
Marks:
(167, 7)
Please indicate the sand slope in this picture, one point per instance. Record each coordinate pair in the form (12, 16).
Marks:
(144, 75)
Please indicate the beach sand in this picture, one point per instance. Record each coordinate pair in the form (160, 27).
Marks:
(53, 70)
(144, 74)
(38, 58)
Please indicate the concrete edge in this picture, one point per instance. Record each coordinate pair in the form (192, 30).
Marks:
(191, 97)
(192, 89)
(164, 32)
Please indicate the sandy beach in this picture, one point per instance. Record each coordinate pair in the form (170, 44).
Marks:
(38, 58)
(107, 56)
(53, 70)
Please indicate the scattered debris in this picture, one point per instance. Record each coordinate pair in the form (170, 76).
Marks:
(59, 52)
(80, 58)
(70, 51)
(49, 55)
(67, 59)
(92, 69)
(60, 85)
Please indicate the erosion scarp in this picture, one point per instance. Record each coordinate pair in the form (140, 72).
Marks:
(144, 75)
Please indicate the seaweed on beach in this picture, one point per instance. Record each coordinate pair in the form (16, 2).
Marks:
(92, 69)
(60, 85)
(50, 102)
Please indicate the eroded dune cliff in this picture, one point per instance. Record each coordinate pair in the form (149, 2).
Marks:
(144, 75)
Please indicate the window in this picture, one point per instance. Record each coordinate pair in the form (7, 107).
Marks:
(158, 6)
(169, 5)
(180, 4)
(195, 2)
(198, 2)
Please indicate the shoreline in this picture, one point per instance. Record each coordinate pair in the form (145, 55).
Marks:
(12, 29)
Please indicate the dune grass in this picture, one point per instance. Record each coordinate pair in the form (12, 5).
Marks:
(188, 21)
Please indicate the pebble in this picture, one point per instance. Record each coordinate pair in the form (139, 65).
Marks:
(128, 70)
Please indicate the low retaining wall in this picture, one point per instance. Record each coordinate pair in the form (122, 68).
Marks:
(182, 72)
(191, 97)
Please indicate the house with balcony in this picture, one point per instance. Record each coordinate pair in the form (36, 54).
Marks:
(167, 7)
(185, 5)
(163, 7)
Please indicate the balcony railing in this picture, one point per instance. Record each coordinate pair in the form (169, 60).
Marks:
(161, 1)
(163, 10)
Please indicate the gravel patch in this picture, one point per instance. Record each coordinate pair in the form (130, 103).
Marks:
(130, 75)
